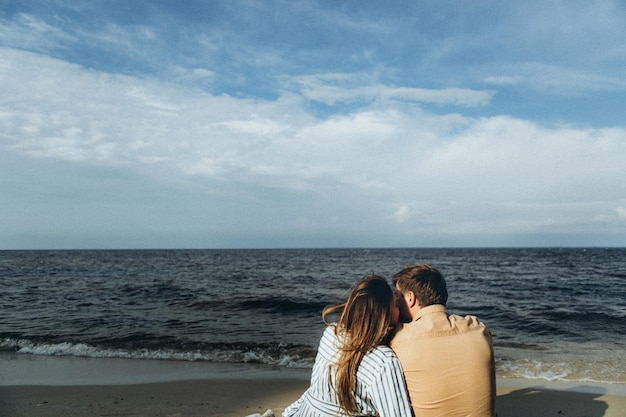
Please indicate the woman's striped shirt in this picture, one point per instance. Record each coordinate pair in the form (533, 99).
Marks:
(380, 388)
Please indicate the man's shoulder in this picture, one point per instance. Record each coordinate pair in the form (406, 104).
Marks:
(397, 333)
(436, 324)
(404, 333)
(468, 321)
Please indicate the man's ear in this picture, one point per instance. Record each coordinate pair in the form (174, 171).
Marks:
(410, 298)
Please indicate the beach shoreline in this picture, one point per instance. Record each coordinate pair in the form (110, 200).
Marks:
(46, 386)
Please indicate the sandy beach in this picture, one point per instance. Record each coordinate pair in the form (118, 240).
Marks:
(32, 386)
(242, 397)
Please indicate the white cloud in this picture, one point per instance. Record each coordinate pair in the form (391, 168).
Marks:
(31, 33)
(80, 115)
(402, 213)
(558, 79)
(343, 88)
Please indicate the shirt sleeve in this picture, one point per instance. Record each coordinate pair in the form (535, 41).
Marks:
(389, 393)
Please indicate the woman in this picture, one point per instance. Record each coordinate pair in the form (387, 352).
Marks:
(355, 372)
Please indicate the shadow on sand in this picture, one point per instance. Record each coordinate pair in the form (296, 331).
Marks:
(542, 402)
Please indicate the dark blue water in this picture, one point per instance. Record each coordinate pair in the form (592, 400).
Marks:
(557, 314)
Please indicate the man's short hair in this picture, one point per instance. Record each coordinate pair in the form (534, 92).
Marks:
(426, 282)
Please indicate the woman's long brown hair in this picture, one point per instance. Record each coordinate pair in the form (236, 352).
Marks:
(364, 323)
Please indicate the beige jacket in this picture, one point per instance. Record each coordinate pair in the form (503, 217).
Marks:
(448, 364)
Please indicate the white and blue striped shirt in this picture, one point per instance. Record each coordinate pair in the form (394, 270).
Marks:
(380, 388)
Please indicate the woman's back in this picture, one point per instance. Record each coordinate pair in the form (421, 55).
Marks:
(379, 388)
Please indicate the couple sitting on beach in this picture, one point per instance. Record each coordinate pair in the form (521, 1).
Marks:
(370, 364)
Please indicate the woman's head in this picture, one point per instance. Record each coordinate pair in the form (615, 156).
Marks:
(367, 315)
(365, 322)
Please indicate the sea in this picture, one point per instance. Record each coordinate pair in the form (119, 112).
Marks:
(556, 314)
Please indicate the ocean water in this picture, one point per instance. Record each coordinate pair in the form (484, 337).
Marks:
(555, 314)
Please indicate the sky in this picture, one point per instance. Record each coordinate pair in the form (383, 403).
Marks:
(304, 124)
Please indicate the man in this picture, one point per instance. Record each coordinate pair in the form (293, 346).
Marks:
(447, 359)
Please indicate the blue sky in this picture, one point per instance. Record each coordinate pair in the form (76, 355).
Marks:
(244, 124)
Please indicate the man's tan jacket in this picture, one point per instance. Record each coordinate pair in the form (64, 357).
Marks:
(448, 364)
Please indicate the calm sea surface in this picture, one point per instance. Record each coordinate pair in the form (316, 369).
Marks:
(555, 314)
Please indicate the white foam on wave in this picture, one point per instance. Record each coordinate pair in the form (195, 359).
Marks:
(596, 371)
(219, 355)
(535, 370)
